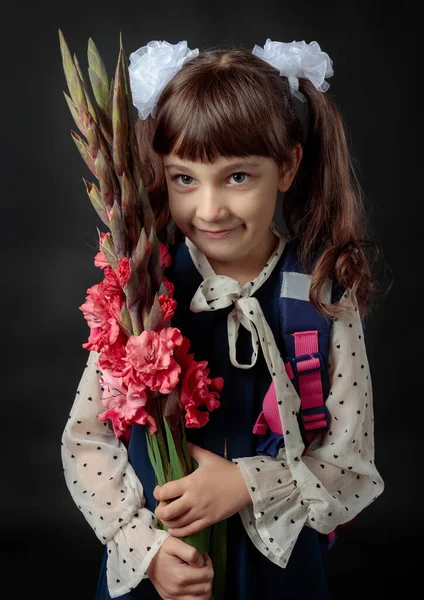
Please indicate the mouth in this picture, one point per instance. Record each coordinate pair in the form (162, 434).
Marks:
(216, 234)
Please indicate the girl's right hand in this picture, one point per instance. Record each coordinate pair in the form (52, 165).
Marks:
(174, 579)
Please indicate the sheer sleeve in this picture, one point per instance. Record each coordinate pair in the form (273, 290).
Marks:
(336, 478)
(106, 489)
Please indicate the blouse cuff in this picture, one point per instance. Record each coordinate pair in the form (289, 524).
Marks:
(275, 518)
(278, 513)
(130, 552)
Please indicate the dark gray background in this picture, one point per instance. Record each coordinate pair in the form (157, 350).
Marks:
(48, 230)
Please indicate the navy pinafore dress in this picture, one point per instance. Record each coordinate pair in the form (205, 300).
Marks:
(249, 575)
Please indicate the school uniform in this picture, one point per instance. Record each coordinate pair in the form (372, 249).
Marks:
(273, 546)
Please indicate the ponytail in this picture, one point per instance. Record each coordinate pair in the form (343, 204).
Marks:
(324, 208)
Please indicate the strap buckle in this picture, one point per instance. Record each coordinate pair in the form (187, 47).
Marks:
(314, 420)
(309, 363)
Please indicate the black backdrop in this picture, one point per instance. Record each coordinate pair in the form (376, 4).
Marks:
(49, 236)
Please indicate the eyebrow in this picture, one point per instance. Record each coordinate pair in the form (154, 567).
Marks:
(235, 165)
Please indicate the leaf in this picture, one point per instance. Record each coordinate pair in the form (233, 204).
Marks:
(128, 207)
(105, 122)
(98, 75)
(125, 321)
(104, 176)
(84, 151)
(118, 229)
(154, 320)
(200, 540)
(74, 113)
(120, 122)
(141, 254)
(218, 554)
(155, 267)
(132, 116)
(155, 458)
(109, 250)
(90, 106)
(72, 78)
(144, 208)
(187, 456)
(97, 201)
(177, 471)
(110, 99)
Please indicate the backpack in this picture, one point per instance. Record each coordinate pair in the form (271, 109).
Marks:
(306, 335)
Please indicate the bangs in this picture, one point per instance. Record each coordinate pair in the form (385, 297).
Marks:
(221, 112)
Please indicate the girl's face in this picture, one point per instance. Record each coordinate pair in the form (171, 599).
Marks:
(226, 207)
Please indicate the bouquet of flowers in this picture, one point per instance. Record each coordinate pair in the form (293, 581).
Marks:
(148, 376)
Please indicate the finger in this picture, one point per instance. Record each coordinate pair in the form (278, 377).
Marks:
(208, 560)
(198, 453)
(190, 529)
(173, 510)
(184, 552)
(198, 590)
(195, 596)
(170, 490)
(194, 580)
(182, 521)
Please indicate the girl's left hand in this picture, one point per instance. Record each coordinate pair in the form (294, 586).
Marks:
(215, 491)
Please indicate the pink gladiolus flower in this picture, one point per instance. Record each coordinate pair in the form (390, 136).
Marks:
(196, 418)
(126, 405)
(169, 286)
(168, 306)
(124, 271)
(143, 418)
(114, 390)
(198, 389)
(122, 418)
(136, 396)
(100, 259)
(111, 285)
(102, 316)
(117, 418)
(181, 352)
(150, 356)
(112, 359)
(165, 258)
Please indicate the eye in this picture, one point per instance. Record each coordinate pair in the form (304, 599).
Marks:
(242, 174)
(186, 183)
(181, 175)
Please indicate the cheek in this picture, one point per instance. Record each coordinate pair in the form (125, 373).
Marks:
(259, 209)
(179, 210)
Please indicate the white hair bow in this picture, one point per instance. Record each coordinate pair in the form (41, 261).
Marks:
(152, 66)
(298, 59)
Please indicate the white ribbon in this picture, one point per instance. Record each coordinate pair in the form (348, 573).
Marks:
(220, 291)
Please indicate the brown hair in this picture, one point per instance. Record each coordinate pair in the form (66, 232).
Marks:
(233, 103)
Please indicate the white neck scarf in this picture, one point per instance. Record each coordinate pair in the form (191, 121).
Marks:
(220, 291)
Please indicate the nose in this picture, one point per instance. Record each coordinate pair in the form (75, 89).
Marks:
(212, 207)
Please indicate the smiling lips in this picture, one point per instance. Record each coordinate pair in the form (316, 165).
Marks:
(216, 234)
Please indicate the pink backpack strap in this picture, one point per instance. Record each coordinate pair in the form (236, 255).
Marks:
(306, 366)
(261, 426)
(270, 415)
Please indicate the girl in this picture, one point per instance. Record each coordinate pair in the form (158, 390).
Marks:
(220, 133)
